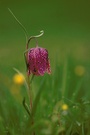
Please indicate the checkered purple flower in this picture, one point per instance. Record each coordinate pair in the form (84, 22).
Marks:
(38, 61)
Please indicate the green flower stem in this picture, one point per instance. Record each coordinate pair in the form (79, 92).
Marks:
(29, 82)
(34, 37)
(30, 92)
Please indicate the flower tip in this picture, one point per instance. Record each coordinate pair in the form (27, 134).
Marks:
(42, 32)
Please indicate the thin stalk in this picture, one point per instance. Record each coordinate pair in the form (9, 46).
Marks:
(20, 24)
(26, 107)
(33, 37)
(30, 93)
(32, 79)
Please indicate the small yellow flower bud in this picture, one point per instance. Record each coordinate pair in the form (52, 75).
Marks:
(64, 107)
(18, 79)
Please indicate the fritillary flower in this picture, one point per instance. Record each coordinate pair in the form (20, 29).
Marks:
(38, 61)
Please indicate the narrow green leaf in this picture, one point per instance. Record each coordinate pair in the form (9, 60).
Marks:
(69, 130)
(26, 107)
(20, 24)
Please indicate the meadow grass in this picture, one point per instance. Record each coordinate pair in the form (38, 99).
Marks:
(61, 104)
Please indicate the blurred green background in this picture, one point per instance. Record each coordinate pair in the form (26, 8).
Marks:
(66, 25)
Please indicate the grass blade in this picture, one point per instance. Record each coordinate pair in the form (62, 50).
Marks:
(77, 89)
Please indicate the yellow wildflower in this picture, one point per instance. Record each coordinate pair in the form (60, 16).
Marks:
(18, 79)
(79, 70)
(64, 107)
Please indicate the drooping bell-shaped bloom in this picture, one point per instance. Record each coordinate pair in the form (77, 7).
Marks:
(38, 61)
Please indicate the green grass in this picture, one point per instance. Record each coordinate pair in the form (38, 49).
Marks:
(63, 86)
